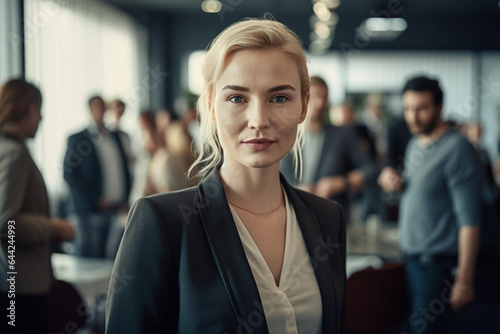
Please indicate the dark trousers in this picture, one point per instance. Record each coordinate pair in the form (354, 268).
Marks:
(99, 234)
(31, 314)
(429, 282)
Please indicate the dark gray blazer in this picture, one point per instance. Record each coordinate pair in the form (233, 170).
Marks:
(340, 155)
(83, 171)
(181, 266)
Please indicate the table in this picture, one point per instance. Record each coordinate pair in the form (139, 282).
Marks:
(89, 276)
(381, 240)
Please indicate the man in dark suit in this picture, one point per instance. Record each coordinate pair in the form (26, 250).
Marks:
(334, 165)
(96, 170)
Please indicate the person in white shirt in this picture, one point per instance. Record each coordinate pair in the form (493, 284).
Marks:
(97, 172)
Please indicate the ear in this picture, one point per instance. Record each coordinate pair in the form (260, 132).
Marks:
(305, 104)
(211, 110)
(33, 109)
(439, 108)
(212, 115)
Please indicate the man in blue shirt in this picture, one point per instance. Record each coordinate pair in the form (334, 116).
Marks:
(439, 211)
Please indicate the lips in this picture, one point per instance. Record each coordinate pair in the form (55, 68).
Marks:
(259, 143)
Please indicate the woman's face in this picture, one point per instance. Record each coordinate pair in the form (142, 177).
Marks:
(32, 120)
(258, 107)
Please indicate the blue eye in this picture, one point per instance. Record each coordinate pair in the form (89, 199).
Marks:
(236, 99)
(280, 99)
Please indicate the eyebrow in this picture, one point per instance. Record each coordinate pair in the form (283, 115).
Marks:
(270, 90)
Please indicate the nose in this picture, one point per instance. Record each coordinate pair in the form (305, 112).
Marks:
(410, 115)
(258, 116)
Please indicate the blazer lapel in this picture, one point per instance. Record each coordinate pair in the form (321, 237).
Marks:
(229, 255)
(318, 248)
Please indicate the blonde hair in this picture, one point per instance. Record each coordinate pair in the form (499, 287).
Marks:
(249, 34)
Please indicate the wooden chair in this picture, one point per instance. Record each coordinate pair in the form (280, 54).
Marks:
(376, 299)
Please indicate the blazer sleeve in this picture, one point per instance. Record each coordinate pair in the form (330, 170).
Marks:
(140, 297)
(359, 160)
(73, 165)
(31, 228)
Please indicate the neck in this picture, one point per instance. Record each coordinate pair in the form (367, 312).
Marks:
(100, 127)
(429, 138)
(14, 130)
(254, 189)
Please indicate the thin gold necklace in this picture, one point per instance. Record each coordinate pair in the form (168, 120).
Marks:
(258, 213)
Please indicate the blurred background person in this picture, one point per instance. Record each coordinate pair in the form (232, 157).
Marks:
(169, 157)
(398, 135)
(496, 166)
(375, 119)
(152, 144)
(347, 117)
(178, 158)
(162, 119)
(185, 107)
(170, 163)
(367, 202)
(97, 172)
(440, 209)
(333, 164)
(116, 109)
(473, 131)
(489, 259)
(24, 209)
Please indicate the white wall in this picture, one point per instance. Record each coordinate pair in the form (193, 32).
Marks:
(489, 98)
(388, 71)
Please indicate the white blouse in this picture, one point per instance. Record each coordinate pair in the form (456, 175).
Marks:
(295, 305)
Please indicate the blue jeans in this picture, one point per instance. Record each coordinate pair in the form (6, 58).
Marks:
(429, 282)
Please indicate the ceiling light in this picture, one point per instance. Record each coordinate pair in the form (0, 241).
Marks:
(322, 30)
(325, 16)
(381, 29)
(380, 24)
(211, 6)
(321, 11)
(334, 19)
(330, 4)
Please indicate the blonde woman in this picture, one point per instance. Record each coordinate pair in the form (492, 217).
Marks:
(243, 251)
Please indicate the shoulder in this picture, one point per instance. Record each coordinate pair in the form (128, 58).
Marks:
(411, 143)
(460, 154)
(458, 147)
(171, 206)
(13, 150)
(78, 136)
(459, 141)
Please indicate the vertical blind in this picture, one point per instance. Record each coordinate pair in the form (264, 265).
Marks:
(10, 40)
(74, 50)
